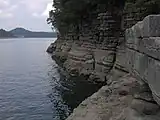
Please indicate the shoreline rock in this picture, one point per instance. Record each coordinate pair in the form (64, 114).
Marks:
(117, 102)
(81, 60)
(129, 71)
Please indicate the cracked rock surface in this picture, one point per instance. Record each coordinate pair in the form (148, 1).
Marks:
(122, 100)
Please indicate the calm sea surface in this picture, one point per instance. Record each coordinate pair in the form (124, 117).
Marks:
(31, 84)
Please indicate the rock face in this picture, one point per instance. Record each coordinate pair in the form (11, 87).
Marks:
(142, 52)
(129, 67)
(84, 60)
(125, 99)
(94, 54)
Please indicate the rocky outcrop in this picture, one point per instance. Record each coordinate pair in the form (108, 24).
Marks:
(128, 67)
(94, 54)
(142, 52)
(85, 59)
(125, 99)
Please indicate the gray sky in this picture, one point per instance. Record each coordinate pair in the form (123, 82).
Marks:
(30, 14)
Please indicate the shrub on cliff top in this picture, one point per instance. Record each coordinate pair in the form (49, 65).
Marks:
(69, 14)
(143, 7)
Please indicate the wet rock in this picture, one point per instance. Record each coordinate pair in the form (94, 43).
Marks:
(51, 48)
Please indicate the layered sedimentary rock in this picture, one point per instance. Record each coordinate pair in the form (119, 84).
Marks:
(133, 96)
(94, 54)
(126, 98)
(85, 59)
(142, 51)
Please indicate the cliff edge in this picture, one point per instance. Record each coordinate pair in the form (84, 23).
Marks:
(129, 68)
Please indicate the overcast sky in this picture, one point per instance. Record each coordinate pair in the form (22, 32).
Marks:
(30, 14)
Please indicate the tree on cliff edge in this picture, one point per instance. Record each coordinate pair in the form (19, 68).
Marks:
(70, 13)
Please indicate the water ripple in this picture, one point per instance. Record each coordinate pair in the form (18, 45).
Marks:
(31, 84)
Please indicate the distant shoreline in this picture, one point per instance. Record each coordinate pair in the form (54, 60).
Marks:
(23, 33)
(24, 37)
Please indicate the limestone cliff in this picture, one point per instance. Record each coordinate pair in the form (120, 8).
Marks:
(129, 67)
(93, 55)
(115, 48)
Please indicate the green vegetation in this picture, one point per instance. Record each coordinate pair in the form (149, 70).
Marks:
(5, 34)
(70, 14)
(143, 8)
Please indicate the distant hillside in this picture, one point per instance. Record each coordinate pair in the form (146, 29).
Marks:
(21, 32)
(5, 34)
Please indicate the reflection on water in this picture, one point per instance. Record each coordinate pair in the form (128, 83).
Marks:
(31, 86)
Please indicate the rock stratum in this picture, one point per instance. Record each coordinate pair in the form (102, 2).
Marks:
(128, 67)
